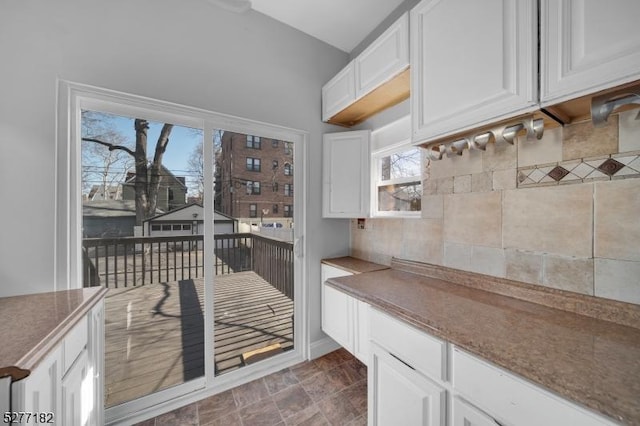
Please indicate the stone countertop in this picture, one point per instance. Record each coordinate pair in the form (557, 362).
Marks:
(354, 265)
(587, 359)
(32, 325)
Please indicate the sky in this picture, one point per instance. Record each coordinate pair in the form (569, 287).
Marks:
(182, 142)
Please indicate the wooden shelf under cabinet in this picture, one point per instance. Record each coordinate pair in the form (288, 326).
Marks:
(386, 95)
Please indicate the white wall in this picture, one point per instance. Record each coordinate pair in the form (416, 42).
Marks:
(187, 52)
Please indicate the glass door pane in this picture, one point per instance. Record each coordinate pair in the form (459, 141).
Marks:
(253, 262)
(143, 239)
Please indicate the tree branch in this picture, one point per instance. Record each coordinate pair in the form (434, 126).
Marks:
(111, 146)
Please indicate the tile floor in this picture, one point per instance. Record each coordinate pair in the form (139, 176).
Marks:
(330, 390)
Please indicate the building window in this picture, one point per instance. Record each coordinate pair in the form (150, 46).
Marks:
(253, 164)
(253, 210)
(155, 227)
(288, 169)
(253, 187)
(170, 194)
(288, 211)
(275, 186)
(177, 227)
(166, 227)
(288, 189)
(275, 208)
(275, 164)
(186, 227)
(274, 143)
(287, 148)
(253, 142)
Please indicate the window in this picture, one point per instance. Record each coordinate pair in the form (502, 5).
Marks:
(253, 142)
(397, 182)
(287, 148)
(288, 169)
(274, 143)
(275, 164)
(253, 187)
(288, 210)
(166, 227)
(274, 186)
(253, 210)
(186, 227)
(155, 227)
(253, 164)
(177, 227)
(274, 209)
(288, 189)
(170, 194)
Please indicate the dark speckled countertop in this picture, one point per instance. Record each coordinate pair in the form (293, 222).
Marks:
(34, 324)
(592, 357)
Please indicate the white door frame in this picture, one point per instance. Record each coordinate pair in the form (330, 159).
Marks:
(71, 99)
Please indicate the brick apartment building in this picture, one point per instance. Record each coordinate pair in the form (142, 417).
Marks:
(254, 177)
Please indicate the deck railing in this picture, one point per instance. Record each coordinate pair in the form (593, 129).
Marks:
(135, 261)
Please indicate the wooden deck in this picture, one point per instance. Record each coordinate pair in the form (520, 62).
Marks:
(155, 333)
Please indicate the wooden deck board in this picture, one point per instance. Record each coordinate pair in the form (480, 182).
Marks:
(155, 333)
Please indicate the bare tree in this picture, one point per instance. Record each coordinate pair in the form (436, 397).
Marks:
(147, 181)
(195, 165)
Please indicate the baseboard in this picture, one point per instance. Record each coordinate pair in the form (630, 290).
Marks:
(322, 347)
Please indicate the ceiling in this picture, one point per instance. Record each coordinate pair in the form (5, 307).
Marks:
(340, 23)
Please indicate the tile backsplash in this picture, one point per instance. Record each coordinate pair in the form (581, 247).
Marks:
(562, 212)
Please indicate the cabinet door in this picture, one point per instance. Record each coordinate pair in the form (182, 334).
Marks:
(77, 393)
(384, 58)
(39, 392)
(465, 414)
(337, 316)
(345, 174)
(339, 92)
(587, 45)
(398, 395)
(361, 339)
(472, 62)
(96, 361)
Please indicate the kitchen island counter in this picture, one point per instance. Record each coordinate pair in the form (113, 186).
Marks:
(583, 348)
(34, 324)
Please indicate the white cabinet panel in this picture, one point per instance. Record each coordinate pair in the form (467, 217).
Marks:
(361, 348)
(398, 395)
(465, 414)
(337, 316)
(424, 352)
(587, 45)
(339, 92)
(345, 174)
(513, 400)
(384, 58)
(471, 63)
(77, 393)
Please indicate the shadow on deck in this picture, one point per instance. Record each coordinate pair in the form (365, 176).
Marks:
(155, 333)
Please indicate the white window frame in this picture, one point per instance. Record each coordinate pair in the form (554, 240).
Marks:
(387, 140)
(71, 99)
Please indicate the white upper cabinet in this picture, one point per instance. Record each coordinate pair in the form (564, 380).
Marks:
(381, 64)
(345, 174)
(472, 62)
(384, 58)
(587, 46)
(339, 92)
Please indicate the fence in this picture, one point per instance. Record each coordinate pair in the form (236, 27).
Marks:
(134, 261)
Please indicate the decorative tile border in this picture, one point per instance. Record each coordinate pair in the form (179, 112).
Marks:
(616, 166)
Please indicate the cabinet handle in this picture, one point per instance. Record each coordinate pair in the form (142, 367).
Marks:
(398, 358)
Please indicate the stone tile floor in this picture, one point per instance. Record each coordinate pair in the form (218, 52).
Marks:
(330, 390)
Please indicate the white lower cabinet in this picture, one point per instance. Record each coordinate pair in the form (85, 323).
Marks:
(344, 318)
(400, 395)
(66, 388)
